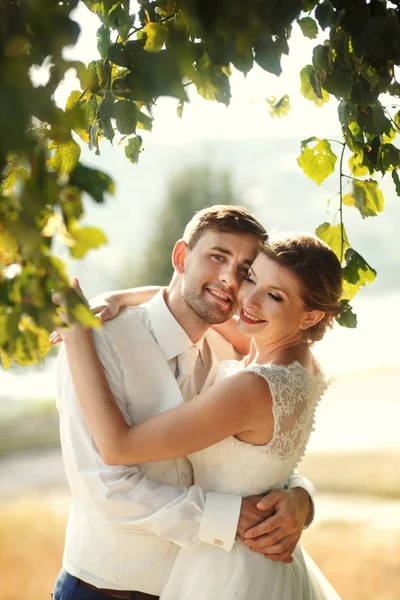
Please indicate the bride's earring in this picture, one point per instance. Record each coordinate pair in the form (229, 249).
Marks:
(304, 325)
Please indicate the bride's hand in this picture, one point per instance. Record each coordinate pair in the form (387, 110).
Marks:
(103, 307)
(58, 335)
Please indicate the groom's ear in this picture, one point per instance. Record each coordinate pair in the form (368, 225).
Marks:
(179, 255)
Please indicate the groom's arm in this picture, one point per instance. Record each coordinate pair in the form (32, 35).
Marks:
(123, 494)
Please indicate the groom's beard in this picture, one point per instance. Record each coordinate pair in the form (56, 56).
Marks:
(205, 307)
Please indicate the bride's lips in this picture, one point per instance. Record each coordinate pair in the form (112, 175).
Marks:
(250, 321)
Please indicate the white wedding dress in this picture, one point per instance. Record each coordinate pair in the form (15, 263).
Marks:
(207, 572)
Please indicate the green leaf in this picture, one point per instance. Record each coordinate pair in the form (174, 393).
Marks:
(66, 156)
(106, 111)
(325, 14)
(279, 109)
(307, 89)
(144, 121)
(308, 27)
(133, 149)
(357, 271)
(125, 113)
(92, 181)
(332, 235)
(396, 181)
(103, 41)
(268, 52)
(389, 158)
(156, 36)
(366, 197)
(242, 56)
(317, 162)
(347, 318)
(85, 239)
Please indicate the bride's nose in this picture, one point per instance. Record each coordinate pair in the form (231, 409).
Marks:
(252, 300)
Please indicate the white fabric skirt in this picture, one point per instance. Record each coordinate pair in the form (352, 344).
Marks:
(209, 573)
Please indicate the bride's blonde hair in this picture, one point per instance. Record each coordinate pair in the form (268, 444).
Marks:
(319, 271)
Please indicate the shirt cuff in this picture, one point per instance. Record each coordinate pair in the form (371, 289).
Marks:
(220, 520)
(305, 484)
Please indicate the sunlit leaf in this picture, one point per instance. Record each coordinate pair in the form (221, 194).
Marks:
(317, 162)
(13, 175)
(307, 89)
(156, 36)
(279, 108)
(66, 156)
(357, 271)
(356, 165)
(335, 236)
(78, 311)
(85, 239)
(366, 197)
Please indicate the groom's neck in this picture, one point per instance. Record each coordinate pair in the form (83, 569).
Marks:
(183, 313)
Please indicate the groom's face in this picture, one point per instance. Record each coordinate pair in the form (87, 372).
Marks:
(213, 271)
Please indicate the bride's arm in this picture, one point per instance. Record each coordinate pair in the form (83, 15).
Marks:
(229, 407)
(229, 330)
(108, 305)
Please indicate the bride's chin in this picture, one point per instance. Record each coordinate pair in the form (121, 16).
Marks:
(244, 329)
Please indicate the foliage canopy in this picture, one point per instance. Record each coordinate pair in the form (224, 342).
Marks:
(159, 48)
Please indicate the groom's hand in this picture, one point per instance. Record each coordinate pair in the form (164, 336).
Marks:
(278, 535)
(250, 515)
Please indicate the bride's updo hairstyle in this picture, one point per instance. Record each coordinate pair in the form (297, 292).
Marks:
(318, 269)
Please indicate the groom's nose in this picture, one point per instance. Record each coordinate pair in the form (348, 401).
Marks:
(229, 276)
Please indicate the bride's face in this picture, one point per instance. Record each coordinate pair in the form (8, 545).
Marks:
(270, 302)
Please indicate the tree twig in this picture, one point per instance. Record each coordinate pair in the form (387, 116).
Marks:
(341, 202)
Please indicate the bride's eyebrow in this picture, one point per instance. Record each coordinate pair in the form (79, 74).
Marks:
(251, 270)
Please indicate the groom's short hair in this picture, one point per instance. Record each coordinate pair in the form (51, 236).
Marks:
(225, 218)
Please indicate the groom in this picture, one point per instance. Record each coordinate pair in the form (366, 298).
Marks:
(127, 522)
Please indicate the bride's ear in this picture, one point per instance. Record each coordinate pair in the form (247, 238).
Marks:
(179, 255)
(312, 318)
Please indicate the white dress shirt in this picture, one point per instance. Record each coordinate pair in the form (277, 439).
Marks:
(127, 522)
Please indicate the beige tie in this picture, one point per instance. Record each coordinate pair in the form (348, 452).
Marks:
(186, 376)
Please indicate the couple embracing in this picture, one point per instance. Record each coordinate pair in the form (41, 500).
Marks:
(181, 454)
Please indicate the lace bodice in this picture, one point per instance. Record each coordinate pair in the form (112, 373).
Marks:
(236, 467)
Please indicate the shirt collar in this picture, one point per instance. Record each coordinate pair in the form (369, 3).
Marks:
(169, 334)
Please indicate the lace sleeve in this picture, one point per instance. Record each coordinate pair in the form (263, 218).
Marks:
(294, 395)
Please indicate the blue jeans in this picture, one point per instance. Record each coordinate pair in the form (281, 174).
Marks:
(68, 587)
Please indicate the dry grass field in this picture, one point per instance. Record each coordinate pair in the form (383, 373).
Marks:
(361, 562)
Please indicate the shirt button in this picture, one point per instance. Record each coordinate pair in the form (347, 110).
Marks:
(218, 543)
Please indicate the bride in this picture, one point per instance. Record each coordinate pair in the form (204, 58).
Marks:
(247, 432)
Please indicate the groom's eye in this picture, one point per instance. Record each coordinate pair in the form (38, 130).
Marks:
(218, 257)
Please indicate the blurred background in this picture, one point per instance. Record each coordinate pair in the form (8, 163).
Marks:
(237, 155)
